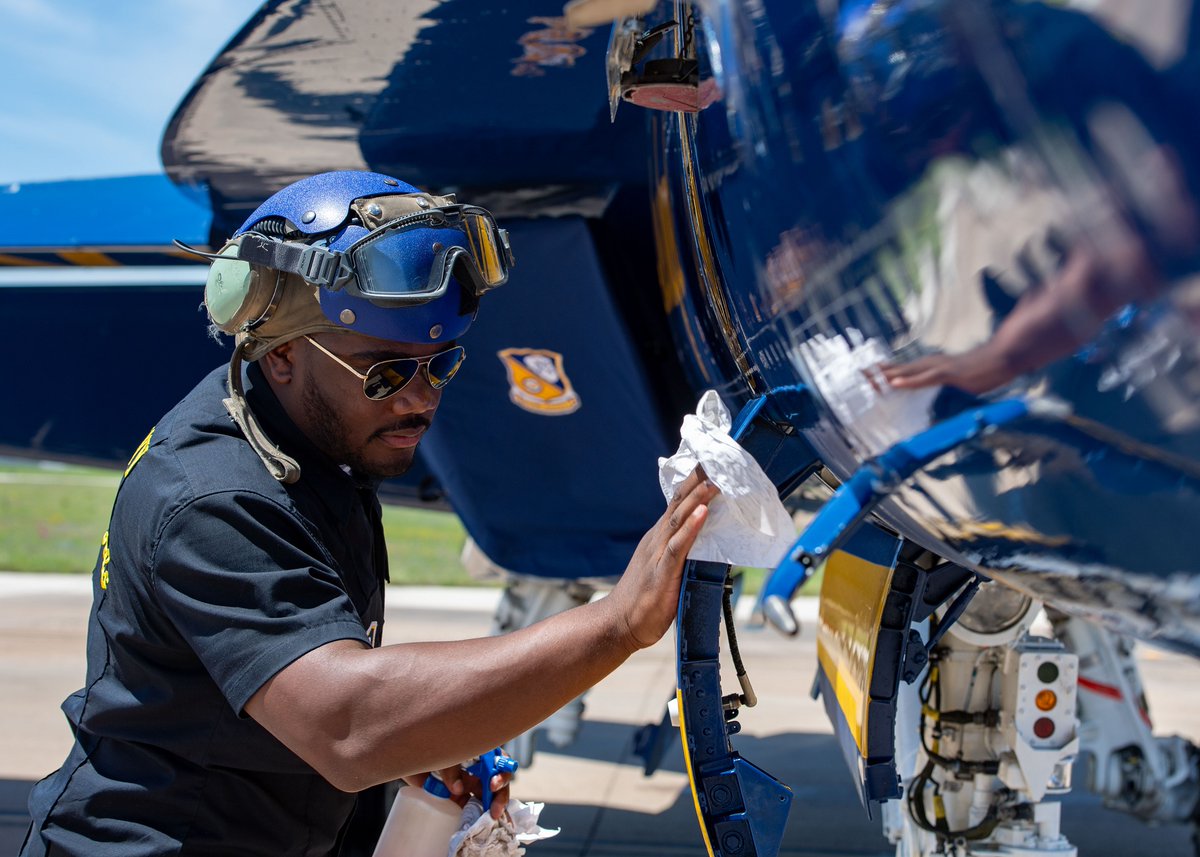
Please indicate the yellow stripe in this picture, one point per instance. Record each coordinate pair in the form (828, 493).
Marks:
(139, 452)
(90, 259)
(853, 593)
(5, 259)
(687, 761)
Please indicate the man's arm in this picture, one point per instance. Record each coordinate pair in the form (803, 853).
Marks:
(363, 716)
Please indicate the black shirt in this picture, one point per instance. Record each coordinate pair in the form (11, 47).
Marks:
(213, 577)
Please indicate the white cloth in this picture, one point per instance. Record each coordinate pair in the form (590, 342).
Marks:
(747, 525)
(480, 835)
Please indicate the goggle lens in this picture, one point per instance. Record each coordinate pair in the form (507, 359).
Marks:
(483, 240)
(396, 261)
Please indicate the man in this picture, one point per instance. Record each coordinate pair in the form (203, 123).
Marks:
(236, 693)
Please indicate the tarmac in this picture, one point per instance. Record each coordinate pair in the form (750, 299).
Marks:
(595, 789)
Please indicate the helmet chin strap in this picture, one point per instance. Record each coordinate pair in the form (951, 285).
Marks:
(279, 464)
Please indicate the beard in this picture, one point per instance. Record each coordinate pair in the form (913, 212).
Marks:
(329, 433)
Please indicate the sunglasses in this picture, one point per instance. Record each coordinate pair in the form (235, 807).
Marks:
(389, 377)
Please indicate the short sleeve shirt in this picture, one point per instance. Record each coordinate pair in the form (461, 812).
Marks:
(212, 578)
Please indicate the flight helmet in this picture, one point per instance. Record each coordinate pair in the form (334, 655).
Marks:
(349, 251)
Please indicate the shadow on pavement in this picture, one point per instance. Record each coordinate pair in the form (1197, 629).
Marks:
(826, 817)
(14, 816)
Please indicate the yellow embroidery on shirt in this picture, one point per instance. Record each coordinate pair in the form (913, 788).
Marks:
(139, 452)
(105, 556)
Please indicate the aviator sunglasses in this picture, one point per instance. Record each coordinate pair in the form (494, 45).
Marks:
(389, 377)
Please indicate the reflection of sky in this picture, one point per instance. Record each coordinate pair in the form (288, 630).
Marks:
(89, 87)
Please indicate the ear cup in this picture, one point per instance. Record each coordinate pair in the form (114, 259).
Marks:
(227, 287)
(233, 294)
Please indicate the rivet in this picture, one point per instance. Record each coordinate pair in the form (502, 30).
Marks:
(435, 331)
(391, 182)
(346, 316)
(437, 245)
(422, 203)
(374, 210)
(308, 217)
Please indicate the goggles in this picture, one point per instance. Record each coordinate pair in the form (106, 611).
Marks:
(389, 377)
(405, 261)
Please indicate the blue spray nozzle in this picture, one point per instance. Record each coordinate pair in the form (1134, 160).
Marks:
(487, 766)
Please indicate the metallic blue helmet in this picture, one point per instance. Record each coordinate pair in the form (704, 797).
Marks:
(388, 260)
(353, 251)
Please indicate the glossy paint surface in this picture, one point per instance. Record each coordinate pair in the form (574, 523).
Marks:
(981, 200)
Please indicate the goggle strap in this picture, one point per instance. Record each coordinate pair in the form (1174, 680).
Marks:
(457, 261)
(315, 264)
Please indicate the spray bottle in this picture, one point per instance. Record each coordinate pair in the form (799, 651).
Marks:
(422, 820)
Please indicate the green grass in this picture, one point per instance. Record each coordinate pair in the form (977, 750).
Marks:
(53, 516)
(754, 577)
(424, 547)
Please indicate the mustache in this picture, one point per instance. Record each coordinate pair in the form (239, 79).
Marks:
(407, 424)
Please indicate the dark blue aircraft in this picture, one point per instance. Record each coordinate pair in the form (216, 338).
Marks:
(939, 256)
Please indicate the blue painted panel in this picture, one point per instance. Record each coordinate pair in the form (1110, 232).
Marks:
(120, 359)
(101, 213)
(565, 495)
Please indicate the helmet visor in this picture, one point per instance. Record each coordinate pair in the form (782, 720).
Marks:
(411, 259)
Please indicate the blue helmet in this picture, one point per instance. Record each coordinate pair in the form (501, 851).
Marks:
(354, 251)
(387, 260)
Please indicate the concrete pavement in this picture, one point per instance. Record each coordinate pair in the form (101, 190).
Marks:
(594, 790)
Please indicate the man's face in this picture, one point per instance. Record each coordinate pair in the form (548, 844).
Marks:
(375, 438)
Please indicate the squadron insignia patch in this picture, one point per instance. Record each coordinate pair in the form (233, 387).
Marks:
(537, 382)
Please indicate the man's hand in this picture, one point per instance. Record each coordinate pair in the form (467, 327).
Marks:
(647, 596)
(976, 371)
(463, 784)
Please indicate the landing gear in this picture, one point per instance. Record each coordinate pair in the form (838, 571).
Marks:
(995, 733)
(1155, 778)
(995, 726)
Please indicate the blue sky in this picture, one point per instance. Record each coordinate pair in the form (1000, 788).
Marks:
(88, 87)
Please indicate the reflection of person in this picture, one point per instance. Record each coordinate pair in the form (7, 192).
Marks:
(1127, 119)
(237, 694)
(1108, 267)
(1051, 320)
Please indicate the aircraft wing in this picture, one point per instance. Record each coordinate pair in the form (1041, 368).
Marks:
(499, 96)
